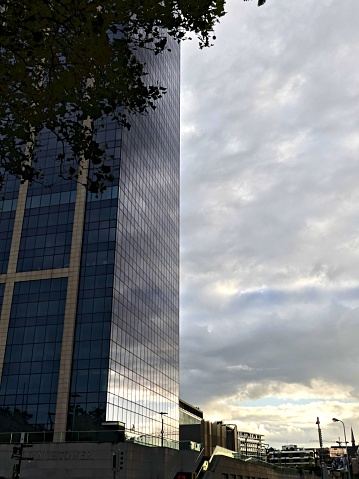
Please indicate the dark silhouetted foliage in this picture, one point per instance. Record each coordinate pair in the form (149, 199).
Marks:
(68, 65)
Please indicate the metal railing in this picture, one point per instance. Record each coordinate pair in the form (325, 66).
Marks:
(34, 437)
(115, 436)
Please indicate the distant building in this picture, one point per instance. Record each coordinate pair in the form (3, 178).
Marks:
(321, 455)
(193, 428)
(210, 434)
(337, 451)
(292, 456)
(189, 414)
(251, 445)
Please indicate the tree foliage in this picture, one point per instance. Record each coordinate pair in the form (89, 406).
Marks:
(67, 65)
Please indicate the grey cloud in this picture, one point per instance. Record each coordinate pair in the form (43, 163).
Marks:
(278, 338)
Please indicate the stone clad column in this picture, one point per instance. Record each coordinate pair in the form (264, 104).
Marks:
(64, 384)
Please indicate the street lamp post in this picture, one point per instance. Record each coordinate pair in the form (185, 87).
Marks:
(162, 429)
(346, 445)
(74, 395)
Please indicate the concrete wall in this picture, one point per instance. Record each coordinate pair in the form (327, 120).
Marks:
(222, 467)
(57, 461)
(94, 461)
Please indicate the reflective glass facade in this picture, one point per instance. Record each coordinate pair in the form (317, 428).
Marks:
(89, 381)
(122, 341)
(46, 237)
(8, 204)
(143, 373)
(31, 363)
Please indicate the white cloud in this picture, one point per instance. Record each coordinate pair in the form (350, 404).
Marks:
(288, 423)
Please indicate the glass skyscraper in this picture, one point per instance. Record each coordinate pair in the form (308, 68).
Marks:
(89, 286)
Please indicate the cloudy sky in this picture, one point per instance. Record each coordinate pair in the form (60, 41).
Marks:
(270, 220)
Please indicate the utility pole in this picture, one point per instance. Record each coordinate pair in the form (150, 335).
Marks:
(323, 466)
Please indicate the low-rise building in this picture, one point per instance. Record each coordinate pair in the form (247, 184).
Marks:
(189, 414)
(251, 445)
(292, 456)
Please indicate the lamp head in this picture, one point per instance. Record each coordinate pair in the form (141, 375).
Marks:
(335, 419)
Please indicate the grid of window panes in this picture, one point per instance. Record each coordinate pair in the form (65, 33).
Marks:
(32, 355)
(46, 235)
(8, 203)
(87, 404)
(48, 219)
(91, 348)
(143, 377)
(46, 154)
